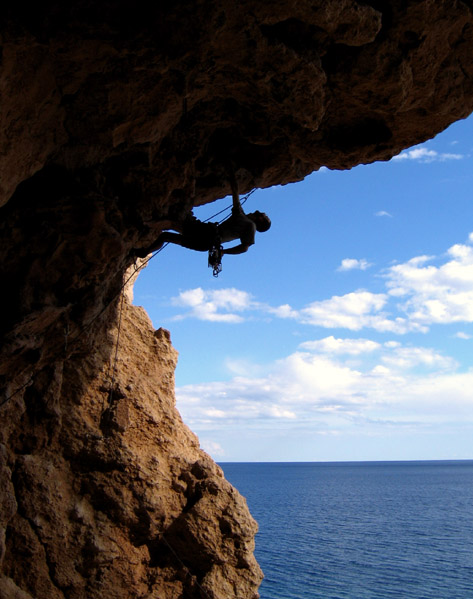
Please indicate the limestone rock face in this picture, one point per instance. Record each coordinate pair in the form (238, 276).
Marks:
(117, 117)
(110, 494)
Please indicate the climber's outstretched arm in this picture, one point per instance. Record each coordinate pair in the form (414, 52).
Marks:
(237, 249)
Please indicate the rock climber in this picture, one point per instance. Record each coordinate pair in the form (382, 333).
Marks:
(202, 237)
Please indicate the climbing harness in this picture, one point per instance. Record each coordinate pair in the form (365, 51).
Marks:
(215, 258)
(216, 251)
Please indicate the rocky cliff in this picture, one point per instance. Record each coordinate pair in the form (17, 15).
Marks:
(110, 495)
(116, 117)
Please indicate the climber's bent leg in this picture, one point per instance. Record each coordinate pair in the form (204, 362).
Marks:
(165, 237)
(196, 235)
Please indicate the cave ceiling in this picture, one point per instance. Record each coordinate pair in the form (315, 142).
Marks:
(117, 116)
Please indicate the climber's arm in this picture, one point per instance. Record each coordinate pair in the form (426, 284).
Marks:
(235, 196)
(237, 249)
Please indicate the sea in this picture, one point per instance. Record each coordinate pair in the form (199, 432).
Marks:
(361, 530)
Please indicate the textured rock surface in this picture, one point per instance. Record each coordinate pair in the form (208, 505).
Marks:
(110, 494)
(117, 116)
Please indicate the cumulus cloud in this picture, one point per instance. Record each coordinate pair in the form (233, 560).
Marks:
(383, 213)
(284, 311)
(219, 305)
(435, 294)
(420, 292)
(425, 155)
(390, 353)
(353, 264)
(406, 358)
(391, 382)
(353, 311)
(299, 384)
(344, 382)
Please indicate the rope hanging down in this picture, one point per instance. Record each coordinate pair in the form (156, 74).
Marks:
(71, 340)
(113, 364)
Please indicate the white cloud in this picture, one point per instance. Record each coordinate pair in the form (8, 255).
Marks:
(353, 311)
(391, 353)
(341, 384)
(383, 213)
(391, 383)
(355, 304)
(220, 305)
(214, 413)
(406, 358)
(284, 311)
(425, 155)
(331, 345)
(423, 291)
(435, 294)
(301, 383)
(353, 264)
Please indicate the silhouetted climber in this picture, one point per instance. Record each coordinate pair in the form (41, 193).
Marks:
(202, 237)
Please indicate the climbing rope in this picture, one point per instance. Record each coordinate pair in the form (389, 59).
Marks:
(70, 340)
(243, 201)
(113, 368)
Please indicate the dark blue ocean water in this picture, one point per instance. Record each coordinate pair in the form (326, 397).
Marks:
(361, 530)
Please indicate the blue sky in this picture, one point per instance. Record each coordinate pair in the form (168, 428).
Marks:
(345, 332)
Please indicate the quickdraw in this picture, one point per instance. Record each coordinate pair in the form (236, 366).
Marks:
(215, 259)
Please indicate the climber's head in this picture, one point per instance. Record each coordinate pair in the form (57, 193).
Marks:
(261, 220)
